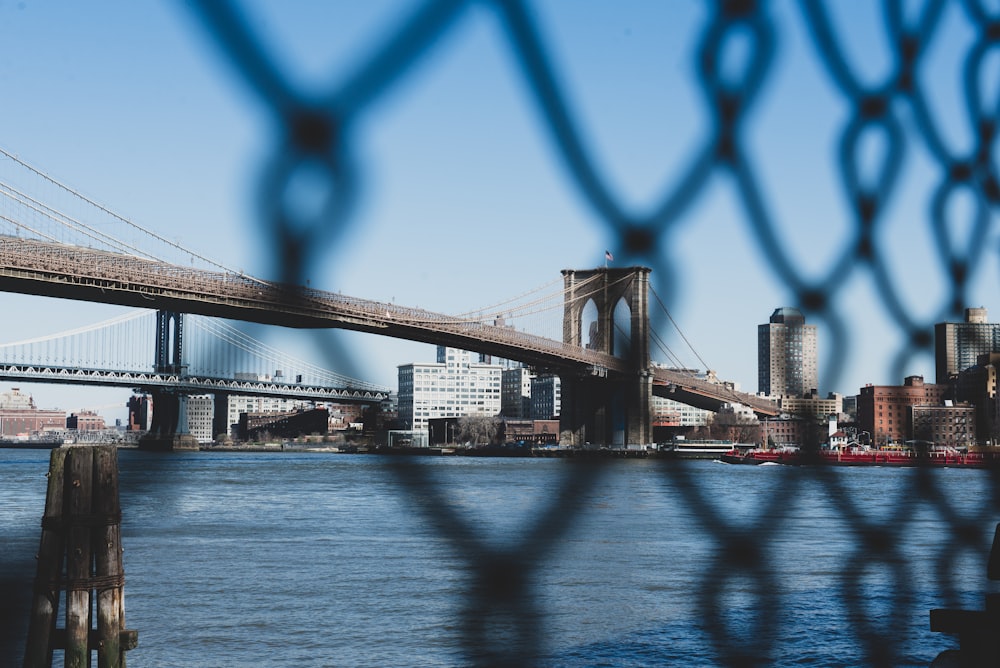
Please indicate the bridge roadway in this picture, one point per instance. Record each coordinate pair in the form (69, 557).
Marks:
(51, 269)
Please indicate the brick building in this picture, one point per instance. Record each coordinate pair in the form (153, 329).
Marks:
(140, 412)
(254, 426)
(951, 425)
(784, 432)
(19, 416)
(85, 421)
(884, 410)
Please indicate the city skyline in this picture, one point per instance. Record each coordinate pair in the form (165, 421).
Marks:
(462, 200)
(780, 315)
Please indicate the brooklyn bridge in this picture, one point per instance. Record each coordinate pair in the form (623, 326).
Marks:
(608, 374)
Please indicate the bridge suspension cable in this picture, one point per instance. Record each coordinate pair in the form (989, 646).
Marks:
(126, 317)
(666, 350)
(65, 220)
(663, 307)
(494, 307)
(278, 359)
(548, 302)
(89, 231)
(126, 343)
(531, 308)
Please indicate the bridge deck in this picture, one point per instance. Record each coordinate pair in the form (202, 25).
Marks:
(58, 270)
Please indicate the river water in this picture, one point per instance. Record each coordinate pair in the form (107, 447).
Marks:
(321, 559)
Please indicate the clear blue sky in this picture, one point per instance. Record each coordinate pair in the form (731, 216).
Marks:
(463, 200)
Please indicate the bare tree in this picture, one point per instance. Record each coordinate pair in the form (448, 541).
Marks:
(478, 428)
(733, 427)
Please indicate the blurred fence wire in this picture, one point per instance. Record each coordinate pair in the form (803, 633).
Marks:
(317, 127)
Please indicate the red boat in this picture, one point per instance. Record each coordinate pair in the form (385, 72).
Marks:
(864, 457)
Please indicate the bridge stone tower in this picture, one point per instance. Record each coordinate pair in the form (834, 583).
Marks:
(597, 408)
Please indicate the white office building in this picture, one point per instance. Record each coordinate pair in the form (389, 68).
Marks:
(200, 410)
(454, 386)
(674, 413)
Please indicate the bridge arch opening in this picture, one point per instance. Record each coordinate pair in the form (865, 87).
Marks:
(621, 340)
(590, 328)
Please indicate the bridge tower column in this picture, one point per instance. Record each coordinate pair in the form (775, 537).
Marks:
(169, 352)
(596, 408)
(220, 415)
(168, 426)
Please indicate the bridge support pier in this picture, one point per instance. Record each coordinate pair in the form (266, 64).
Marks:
(597, 409)
(168, 428)
(220, 416)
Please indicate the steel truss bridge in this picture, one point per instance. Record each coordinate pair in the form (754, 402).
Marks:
(184, 383)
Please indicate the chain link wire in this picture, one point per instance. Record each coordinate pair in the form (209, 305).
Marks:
(502, 616)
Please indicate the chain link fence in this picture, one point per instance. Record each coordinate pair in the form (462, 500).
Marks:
(502, 615)
(895, 111)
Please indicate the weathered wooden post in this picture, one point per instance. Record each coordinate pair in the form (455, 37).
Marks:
(78, 495)
(82, 523)
(108, 560)
(45, 605)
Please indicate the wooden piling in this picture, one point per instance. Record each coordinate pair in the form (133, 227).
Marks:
(82, 524)
(79, 495)
(108, 559)
(45, 606)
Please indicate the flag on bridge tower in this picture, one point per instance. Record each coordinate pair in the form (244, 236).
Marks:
(608, 257)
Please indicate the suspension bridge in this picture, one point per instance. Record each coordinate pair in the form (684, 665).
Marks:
(608, 375)
(116, 353)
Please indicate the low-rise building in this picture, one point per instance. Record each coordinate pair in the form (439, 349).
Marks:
(884, 410)
(785, 431)
(812, 405)
(535, 432)
(85, 421)
(19, 416)
(254, 426)
(948, 425)
(238, 404)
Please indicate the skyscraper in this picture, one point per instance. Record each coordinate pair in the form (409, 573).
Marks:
(786, 354)
(957, 345)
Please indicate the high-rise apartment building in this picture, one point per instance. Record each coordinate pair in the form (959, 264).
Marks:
(515, 394)
(454, 386)
(786, 355)
(979, 385)
(546, 397)
(958, 345)
(200, 412)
